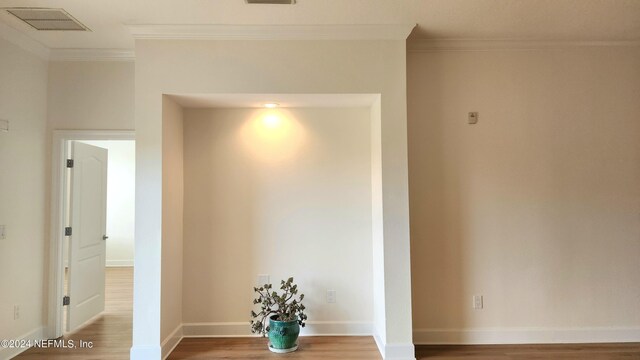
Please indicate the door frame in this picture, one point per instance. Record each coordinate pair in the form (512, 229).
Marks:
(58, 209)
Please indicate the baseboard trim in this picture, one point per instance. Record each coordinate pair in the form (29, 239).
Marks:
(394, 351)
(170, 343)
(399, 352)
(526, 335)
(33, 335)
(119, 263)
(145, 352)
(312, 328)
(379, 343)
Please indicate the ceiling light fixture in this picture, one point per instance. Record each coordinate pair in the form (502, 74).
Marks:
(271, 105)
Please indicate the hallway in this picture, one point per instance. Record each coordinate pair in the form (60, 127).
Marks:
(110, 332)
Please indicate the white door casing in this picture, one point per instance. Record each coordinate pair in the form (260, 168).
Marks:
(87, 243)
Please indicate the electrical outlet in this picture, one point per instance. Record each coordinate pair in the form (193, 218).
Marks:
(3, 232)
(331, 296)
(263, 279)
(477, 302)
(16, 312)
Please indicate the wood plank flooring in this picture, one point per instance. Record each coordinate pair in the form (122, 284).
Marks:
(365, 348)
(110, 332)
(316, 347)
(622, 351)
(111, 335)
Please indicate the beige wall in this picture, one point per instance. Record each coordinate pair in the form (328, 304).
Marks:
(93, 95)
(23, 101)
(535, 207)
(172, 216)
(288, 198)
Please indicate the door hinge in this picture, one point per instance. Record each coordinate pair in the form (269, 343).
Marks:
(67, 231)
(66, 300)
(70, 163)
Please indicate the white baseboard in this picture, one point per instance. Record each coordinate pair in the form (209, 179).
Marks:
(526, 335)
(395, 351)
(227, 329)
(399, 352)
(170, 343)
(119, 263)
(9, 353)
(145, 352)
(379, 343)
(312, 328)
(337, 328)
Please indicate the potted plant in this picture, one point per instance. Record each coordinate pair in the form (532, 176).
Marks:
(285, 313)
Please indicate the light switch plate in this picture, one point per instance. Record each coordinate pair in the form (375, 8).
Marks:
(473, 118)
(4, 125)
(478, 302)
(3, 234)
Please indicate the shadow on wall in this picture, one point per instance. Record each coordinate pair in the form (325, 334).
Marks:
(436, 188)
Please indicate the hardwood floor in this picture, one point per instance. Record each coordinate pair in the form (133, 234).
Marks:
(111, 335)
(365, 348)
(110, 332)
(317, 347)
(626, 351)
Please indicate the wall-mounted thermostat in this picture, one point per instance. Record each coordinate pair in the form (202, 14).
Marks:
(473, 118)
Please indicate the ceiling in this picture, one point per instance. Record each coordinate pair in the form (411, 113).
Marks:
(568, 20)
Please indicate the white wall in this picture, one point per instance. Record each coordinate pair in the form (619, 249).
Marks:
(284, 192)
(377, 223)
(342, 67)
(172, 221)
(23, 101)
(121, 192)
(535, 207)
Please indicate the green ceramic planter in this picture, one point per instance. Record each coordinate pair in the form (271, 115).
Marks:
(283, 335)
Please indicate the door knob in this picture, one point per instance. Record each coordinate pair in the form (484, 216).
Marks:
(104, 237)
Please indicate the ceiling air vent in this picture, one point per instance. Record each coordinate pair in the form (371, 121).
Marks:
(48, 19)
(279, 2)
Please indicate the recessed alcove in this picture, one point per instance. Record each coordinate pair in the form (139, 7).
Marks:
(286, 192)
(175, 76)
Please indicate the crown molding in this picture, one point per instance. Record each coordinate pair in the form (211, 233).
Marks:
(273, 32)
(23, 41)
(428, 45)
(92, 55)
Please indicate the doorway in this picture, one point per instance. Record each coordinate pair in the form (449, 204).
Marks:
(93, 202)
(111, 286)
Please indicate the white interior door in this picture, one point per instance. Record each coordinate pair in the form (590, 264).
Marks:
(87, 243)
